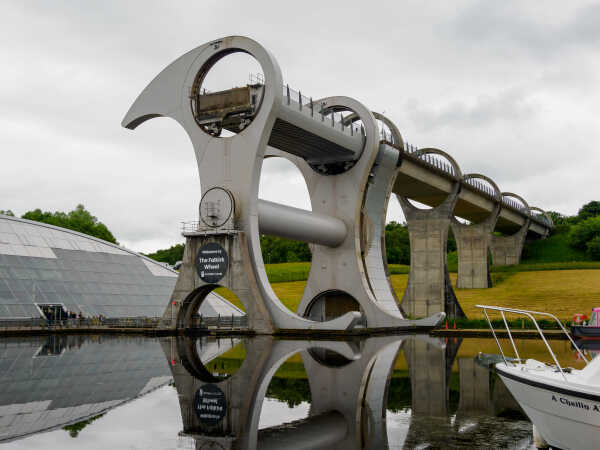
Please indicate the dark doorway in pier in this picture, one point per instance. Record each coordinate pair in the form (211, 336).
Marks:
(331, 304)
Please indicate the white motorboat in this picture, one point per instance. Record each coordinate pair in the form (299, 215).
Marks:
(563, 403)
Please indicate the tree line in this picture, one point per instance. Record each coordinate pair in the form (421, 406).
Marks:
(281, 250)
(79, 219)
(582, 232)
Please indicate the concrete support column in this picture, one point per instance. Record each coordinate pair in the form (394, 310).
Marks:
(473, 244)
(429, 289)
(506, 250)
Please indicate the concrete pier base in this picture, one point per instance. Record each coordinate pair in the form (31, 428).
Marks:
(473, 247)
(190, 290)
(473, 243)
(429, 289)
(506, 250)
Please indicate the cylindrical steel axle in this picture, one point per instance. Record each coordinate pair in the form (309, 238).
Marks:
(294, 223)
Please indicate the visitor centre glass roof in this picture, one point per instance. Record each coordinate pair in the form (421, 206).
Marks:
(42, 264)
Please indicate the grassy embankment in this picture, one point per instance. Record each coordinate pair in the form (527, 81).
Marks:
(552, 277)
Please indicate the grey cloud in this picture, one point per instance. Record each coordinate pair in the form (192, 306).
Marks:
(71, 69)
(510, 26)
(513, 104)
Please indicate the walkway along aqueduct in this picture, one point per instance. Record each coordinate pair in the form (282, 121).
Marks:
(352, 160)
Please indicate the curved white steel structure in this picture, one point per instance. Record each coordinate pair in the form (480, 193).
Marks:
(350, 173)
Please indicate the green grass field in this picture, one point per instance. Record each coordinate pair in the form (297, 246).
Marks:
(563, 292)
(552, 277)
(298, 271)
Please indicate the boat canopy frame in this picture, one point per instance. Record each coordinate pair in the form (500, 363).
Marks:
(531, 315)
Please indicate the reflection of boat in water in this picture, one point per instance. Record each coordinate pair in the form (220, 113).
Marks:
(563, 403)
(591, 329)
(592, 345)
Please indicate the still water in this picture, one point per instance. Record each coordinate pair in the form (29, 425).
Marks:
(411, 391)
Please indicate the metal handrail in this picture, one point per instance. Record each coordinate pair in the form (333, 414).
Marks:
(219, 321)
(529, 314)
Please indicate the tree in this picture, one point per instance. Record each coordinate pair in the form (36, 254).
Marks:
(279, 250)
(397, 243)
(7, 212)
(558, 218)
(591, 209)
(78, 220)
(170, 255)
(586, 236)
(593, 248)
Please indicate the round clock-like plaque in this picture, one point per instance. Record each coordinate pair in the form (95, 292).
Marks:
(216, 207)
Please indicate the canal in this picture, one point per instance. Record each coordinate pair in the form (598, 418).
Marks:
(397, 392)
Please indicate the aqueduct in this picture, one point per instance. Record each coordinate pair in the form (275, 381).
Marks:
(352, 160)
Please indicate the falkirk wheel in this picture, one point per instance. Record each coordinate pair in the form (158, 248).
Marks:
(348, 284)
(351, 168)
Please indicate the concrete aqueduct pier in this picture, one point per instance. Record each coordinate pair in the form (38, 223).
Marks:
(352, 160)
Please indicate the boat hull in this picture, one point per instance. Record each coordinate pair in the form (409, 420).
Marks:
(585, 332)
(566, 418)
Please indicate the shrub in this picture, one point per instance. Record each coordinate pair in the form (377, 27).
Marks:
(593, 248)
(561, 228)
(584, 232)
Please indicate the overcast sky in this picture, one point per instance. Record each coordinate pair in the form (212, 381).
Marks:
(510, 89)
